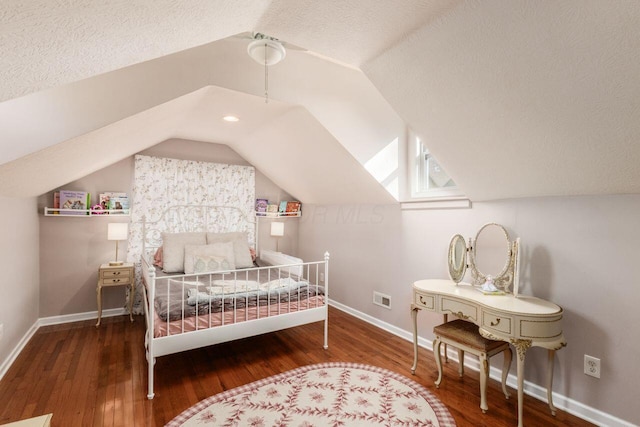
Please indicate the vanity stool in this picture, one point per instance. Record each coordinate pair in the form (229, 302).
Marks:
(464, 336)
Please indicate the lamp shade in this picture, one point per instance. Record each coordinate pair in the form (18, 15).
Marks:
(277, 229)
(117, 231)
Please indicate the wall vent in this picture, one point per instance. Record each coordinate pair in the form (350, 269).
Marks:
(382, 300)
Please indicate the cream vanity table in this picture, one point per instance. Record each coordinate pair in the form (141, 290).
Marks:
(523, 321)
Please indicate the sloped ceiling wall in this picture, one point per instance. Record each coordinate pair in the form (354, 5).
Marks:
(514, 98)
(523, 99)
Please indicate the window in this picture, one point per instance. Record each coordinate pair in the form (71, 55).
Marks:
(429, 178)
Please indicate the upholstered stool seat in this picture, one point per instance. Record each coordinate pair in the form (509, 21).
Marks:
(464, 336)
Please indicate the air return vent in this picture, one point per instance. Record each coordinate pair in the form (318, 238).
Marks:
(381, 300)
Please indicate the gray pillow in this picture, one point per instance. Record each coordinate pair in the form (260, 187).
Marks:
(240, 241)
(173, 249)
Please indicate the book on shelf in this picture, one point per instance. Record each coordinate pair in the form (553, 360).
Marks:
(118, 203)
(283, 206)
(272, 208)
(56, 202)
(293, 207)
(75, 200)
(104, 200)
(261, 206)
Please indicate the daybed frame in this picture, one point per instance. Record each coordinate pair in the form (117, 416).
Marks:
(187, 340)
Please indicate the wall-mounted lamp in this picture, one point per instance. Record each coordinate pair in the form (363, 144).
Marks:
(117, 231)
(277, 230)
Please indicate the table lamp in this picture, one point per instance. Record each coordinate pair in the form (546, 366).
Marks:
(277, 230)
(117, 231)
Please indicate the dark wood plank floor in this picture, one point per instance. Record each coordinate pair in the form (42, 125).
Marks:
(97, 377)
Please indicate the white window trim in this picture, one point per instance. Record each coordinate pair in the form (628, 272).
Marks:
(441, 198)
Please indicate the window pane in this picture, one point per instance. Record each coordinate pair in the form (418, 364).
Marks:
(431, 177)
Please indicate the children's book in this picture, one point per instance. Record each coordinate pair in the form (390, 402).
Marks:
(118, 205)
(105, 199)
(292, 208)
(261, 206)
(76, 200)
(56, 202)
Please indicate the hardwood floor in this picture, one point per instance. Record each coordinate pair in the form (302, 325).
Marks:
(97, 377)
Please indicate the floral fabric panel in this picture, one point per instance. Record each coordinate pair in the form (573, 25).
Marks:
(184, 196)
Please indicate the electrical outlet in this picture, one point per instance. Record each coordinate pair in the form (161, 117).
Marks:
(592, 366)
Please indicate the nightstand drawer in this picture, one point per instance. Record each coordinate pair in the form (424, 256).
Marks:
(114, 274)
(116, 281)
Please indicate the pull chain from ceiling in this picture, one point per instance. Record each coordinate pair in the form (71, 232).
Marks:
(266, 76)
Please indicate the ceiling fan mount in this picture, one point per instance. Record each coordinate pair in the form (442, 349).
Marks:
(266, 50)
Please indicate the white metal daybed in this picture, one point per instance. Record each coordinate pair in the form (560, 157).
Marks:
(184, 311)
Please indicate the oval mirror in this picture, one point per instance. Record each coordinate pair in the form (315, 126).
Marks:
(492, 250)
(457, 258)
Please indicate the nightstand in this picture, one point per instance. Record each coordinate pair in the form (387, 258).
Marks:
(115, 275)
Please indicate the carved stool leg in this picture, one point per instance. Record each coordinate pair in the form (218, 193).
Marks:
(460, 362)
(484, 376)
(436, 353)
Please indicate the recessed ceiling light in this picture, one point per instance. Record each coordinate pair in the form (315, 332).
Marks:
(230, 119)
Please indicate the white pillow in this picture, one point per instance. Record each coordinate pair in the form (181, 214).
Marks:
(240, 242)
(205, 258)
(173, 249)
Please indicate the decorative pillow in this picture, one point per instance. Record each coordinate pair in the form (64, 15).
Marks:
(173, 249)
(202, 264)
(157, 257)
(241, 251)
(206, 258)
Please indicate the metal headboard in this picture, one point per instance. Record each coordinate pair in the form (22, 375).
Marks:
(193, 218)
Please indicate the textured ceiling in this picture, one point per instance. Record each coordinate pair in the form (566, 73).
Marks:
(514, 98)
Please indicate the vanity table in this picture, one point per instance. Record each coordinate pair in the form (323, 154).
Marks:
(523, 321)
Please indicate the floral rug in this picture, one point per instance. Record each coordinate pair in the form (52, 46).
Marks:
(328, 394)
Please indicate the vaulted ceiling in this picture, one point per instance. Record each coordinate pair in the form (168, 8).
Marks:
(515, 99)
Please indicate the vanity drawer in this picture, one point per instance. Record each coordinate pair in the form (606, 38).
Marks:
(459, 308)
(496, 322)
(541, 329)
(425, 301)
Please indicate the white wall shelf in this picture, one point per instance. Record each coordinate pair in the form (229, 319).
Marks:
(85, 213)
(278, 214)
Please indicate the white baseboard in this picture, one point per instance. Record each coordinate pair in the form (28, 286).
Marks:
(6, 364)
(54, 320)
(567, 404)
(77, 317)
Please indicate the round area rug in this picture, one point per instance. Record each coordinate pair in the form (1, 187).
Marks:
(328, 394)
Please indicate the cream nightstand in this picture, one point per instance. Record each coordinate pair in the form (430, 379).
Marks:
(118, 275)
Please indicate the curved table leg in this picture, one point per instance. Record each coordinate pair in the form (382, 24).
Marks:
(550, 382)
(521, 347)
(414, 317)
(507, 355)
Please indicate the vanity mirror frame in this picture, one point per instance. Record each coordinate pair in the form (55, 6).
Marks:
(457, 258)
(507, 276)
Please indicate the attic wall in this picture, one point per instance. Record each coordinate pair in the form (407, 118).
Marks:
(579, 252)
(19, 262)
(71, 249)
